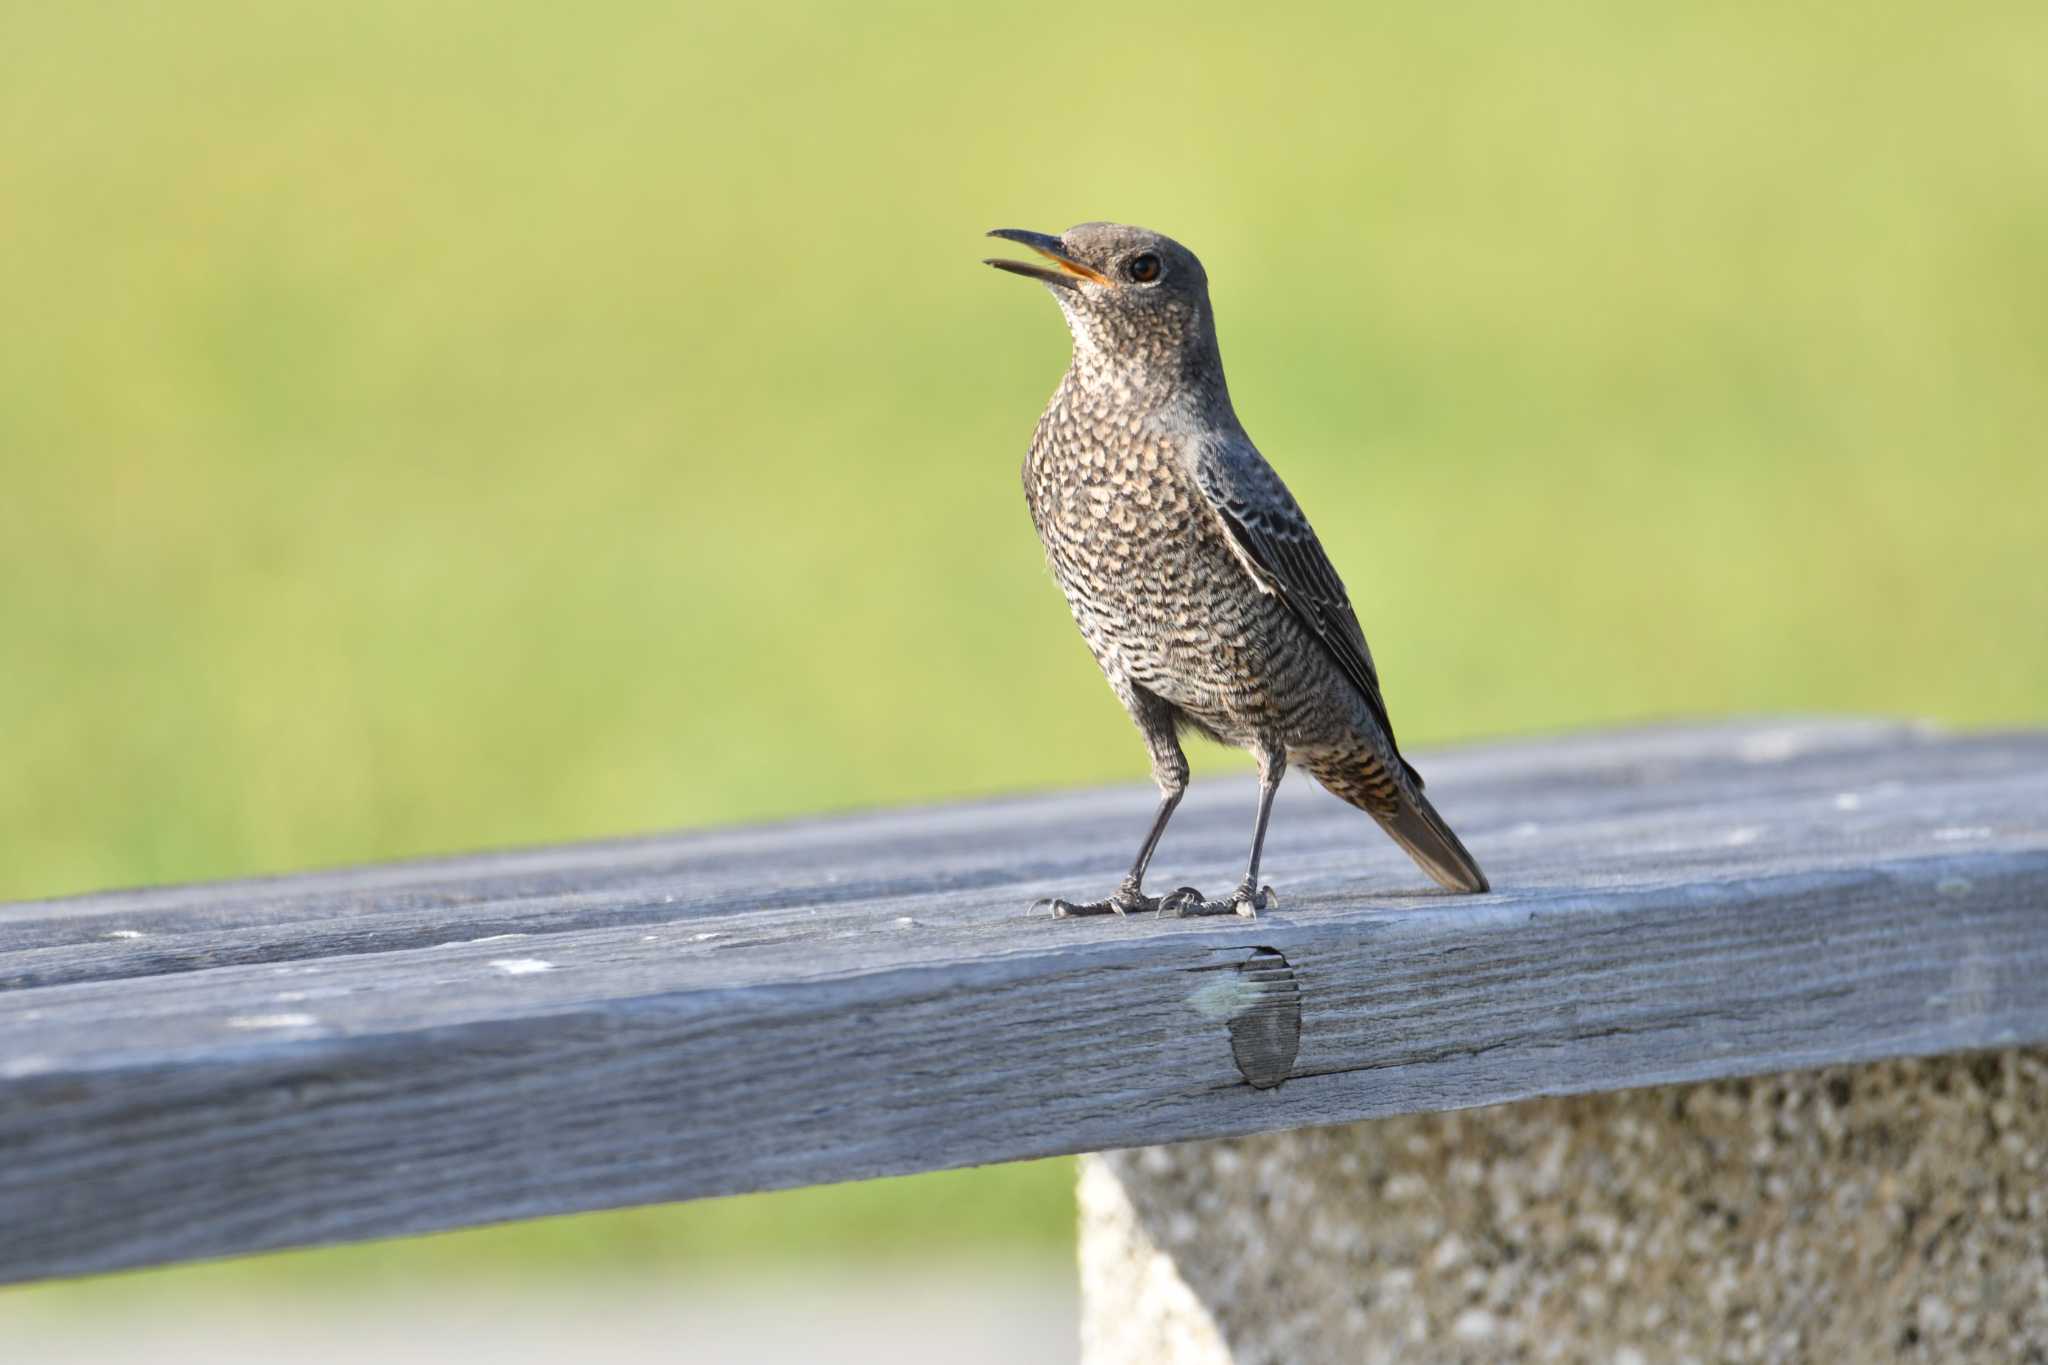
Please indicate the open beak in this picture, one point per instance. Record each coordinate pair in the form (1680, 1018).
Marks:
(1069, 272)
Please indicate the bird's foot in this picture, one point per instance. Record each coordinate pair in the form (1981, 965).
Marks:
(1246, 901)
(1111, 905)
(1128, 900)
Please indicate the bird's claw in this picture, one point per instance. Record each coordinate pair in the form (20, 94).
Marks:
(1250, 902)
(1182, 903)
(1244, 902)
(1119, 905)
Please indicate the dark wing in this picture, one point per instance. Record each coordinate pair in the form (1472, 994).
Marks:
(1279, 549)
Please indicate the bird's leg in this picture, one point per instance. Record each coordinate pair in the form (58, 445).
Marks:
(1250, 897)
(1130, 897)
(1170, 771)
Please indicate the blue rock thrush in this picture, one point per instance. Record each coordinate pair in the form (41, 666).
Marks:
(1197, 582)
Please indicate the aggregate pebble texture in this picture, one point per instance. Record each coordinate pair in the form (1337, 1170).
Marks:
(1887, 1212)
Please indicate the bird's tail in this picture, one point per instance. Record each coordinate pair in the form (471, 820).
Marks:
(1415, 826)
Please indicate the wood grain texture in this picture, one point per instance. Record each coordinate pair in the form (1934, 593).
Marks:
(206, 1070)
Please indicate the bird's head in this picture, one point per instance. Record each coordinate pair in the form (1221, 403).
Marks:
(1130, 295)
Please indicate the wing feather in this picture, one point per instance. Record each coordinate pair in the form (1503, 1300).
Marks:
(1279, 549)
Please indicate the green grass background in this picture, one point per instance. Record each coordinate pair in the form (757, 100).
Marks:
(429, 427)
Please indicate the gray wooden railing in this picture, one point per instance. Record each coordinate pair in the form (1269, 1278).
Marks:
(205, 1070)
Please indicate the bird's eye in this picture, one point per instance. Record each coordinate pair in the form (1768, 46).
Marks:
(1142, 268)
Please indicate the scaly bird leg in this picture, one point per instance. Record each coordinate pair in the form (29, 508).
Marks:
(1130, 897)
(1155, 720)
(1250, 897)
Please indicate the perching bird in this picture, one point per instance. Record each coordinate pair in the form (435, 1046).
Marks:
(1195, 579)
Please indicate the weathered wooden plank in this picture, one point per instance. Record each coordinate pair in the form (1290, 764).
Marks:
(199, 1071)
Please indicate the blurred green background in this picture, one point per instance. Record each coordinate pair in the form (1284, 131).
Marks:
(430, 427)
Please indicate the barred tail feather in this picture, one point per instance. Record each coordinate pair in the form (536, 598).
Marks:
(1415, 826)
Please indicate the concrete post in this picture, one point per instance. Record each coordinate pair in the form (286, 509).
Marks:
(1891, 1212)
